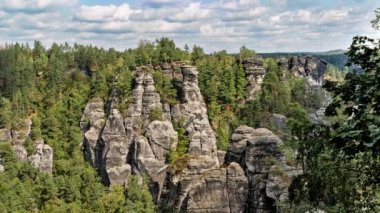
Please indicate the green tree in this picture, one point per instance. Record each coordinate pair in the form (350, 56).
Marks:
(275, 94)
(183, 142)
(164, 87)
(6, 114)
(139, 199)
(342, 161)
(197, 54)
(245, 53)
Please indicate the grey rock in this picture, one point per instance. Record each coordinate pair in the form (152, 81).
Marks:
(19, 136)
(116, 149)
(20, 152)
(194, 111)
(152, 152)
(5, 135)
(92, 123)
(258, 152)
(255, 72)
(221, 156)
(2, 169)
(237, 187)
(318, 117)
(306, 66)
(201, 187)
(279, 122)
(238, 144)
(162, 138)
(43, 157)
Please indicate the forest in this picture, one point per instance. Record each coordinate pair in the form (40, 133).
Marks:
(52, 85)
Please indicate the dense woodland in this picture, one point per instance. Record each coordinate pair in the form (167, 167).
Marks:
(52, 86)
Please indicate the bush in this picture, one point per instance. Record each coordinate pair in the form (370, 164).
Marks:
(156, 114)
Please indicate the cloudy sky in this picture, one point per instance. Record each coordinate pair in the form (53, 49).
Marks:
(262, 25)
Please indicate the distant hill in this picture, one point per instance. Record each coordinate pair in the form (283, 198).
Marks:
(334, 57)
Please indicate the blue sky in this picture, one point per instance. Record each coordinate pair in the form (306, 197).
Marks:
(262, 25)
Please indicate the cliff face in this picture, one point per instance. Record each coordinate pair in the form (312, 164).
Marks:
(42, 158)
(254, 72)
(204, 179)
(306, 66)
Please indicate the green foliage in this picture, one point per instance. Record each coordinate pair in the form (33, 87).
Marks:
(223, 135)
(139, 199)
(275, 94)
(183, 142)
(36, 132)
(156, 114)
(246, 53)
(5, 113)
(165, 88)
(52, 87)
(342, 161)
(197, 54)
(376, 21)
(252, 114)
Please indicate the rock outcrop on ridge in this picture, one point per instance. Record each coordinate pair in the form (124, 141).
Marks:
(254, 72)
(258, 152)
(306, 66)
(250, 177)
(42, 158)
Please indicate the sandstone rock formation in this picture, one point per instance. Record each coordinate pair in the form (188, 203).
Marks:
(153, 149)
(43, 157)
(195, 184)
(246, 178)
(307, 66)
(255, 72)
(258, 152)
(119, 145)
(193, 110)
(17, 138)
(278, 121)
(92, 123)
(115, 149)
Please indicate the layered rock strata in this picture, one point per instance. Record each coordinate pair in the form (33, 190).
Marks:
(258, 152)
(255, 72)
(42, 158)
(309, 67)
(246, 178)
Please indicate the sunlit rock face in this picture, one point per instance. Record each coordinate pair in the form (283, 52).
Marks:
(193, 110)
(243, 179)
(43, 157)
(254, 72)
(258, 153)
(311, 68)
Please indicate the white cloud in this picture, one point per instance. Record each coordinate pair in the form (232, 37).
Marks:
(33, 5)
(193, 11)
(245, 15)
(105, 13)
(224, 24)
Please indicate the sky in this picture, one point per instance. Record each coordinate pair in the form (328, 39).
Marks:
(261, 25)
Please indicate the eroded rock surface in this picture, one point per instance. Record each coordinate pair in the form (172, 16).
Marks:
(92, 123)
(193, 110)
(246, 178)
(258, 152)
(195, 184)
(255, 72)
(43, 157)
(306, 66)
